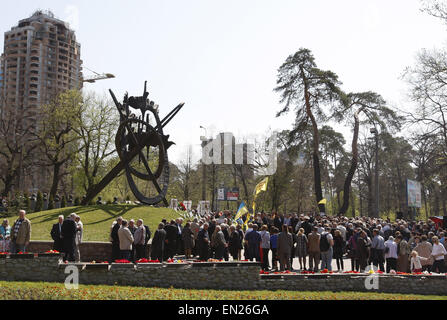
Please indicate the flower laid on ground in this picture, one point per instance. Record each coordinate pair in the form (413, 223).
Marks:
(307, 272)
(52, 251)
(175, 261)
(351, 272)
(326, 271)
(122, 261)
(144, 260)
(99, 262)
(20, 252)
(214, 260)
(263, 272)
(4, 252)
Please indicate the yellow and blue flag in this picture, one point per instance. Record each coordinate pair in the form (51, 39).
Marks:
(241, 211)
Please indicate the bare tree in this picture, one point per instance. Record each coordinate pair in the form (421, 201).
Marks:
(17, 146)
(56, 133)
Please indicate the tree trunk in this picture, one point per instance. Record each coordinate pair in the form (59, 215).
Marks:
(8, 185)
(55, 183)
(354, 162)
(316, 147)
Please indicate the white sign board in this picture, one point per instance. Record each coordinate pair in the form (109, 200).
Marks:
(414, 193)
(221, 194)
(188, 204)
(203, 208)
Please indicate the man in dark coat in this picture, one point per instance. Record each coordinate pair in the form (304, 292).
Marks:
(56, 235)
(203, 243)
(253, 239)
(116, 253)
(362, 250)
(178, 225)
(306, 225)
(147, 236)
(285, 245)
(158, 243)
(234, 243)
(68, 232)
(171, 239)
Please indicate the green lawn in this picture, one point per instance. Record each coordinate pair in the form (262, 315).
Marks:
(56, 291)
(97, 219)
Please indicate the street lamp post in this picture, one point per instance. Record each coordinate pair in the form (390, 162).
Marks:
(376, 136)
(204, 141)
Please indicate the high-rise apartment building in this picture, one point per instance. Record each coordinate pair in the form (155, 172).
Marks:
(41, 59)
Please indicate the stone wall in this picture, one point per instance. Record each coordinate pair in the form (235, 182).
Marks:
(221, 275)
(90, 251)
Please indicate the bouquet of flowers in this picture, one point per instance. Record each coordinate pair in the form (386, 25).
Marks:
(122, 261)
(52, 251)
(325, 271)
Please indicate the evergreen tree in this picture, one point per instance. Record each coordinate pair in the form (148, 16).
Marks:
(39, 202)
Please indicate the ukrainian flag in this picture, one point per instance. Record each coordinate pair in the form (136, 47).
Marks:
(241, 211)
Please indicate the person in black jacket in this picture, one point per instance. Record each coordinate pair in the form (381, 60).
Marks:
(203, 243)
(116, 253)
(56, 235)
(146, 240)
(307, 225)
(158, 243)
(241, 240)
(234, 243)
(68, 232)
(171, 240)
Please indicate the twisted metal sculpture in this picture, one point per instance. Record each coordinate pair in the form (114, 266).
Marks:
(136, 137)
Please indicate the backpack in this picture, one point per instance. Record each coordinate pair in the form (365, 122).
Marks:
(324, 243)
(148, 234)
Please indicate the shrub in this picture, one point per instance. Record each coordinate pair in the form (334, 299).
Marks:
(51, 203)
(39, 202)
(26, 201)
(63, 202)
(77, 201)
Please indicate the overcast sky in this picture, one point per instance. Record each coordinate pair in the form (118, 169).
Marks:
(221, 57)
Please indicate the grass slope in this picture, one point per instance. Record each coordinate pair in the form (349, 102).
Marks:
(97, 219)
(56, 291)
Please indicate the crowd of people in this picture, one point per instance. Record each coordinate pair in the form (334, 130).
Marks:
(66, 234)
(275, 240)
(315, 241)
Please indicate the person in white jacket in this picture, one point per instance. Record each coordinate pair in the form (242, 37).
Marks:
(438, 252)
